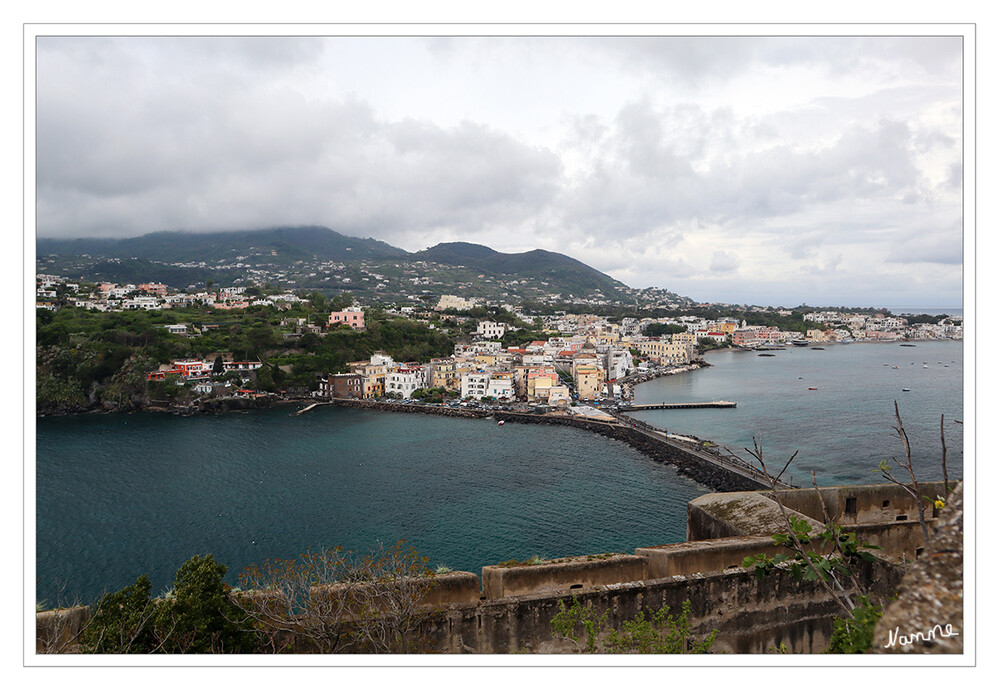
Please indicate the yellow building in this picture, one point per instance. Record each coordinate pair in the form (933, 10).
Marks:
(589, 382)
(539, 383)
(662, 352)
(373, 381)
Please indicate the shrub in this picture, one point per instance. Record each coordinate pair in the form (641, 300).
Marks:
(855, 634)
(197, 617)
(660, 633)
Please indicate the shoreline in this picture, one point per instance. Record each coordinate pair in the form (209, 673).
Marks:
(221, 405)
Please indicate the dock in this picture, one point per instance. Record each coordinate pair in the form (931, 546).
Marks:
(313, 405)
(676, 406)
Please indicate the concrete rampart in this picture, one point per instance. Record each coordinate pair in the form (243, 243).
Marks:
(752, 616)
(565, 574)
(711, 555)
(738, 514)
(860, 505)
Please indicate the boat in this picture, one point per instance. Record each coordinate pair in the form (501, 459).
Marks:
(812, 388)
(764, 354)
(818, 348)
(799, 343)
(500, 423)
(906, 390)
(906, 345)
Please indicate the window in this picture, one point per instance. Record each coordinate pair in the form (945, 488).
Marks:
(851, 506)
(885, 504)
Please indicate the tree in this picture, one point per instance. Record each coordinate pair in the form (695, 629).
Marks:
(654, 330)
(201, 615)
(218, 368)
(333, 600)
(318, 300)
(197, 616)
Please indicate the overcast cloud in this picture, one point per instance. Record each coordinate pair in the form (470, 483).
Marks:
(767, 170)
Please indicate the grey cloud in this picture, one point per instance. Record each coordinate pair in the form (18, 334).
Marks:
(723, 262)
(707, 60)
(936, 246)
(640, 180)
(115, 155)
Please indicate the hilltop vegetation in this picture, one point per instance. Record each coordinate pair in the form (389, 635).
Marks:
(87, 359)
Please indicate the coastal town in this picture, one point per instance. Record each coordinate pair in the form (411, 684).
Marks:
(582, 358)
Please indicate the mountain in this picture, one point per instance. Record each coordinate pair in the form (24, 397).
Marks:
(276, 245)
(563, 273)
(300, 257)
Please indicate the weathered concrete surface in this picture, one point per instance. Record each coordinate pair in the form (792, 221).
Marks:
(870, 503)
(738, 514)
(932, 593)
(564, 574)
(752, 616)
(709, 555)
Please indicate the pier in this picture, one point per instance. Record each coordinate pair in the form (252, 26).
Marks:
(676, 406)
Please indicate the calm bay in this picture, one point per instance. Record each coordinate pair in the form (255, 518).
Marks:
(122, 495)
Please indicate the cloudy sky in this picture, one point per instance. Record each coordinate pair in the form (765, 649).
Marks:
(776, 170)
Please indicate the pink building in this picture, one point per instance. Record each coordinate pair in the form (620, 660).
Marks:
(352, 316)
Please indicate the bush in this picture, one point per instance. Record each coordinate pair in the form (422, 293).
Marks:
(855, 635)
(658, 634)
(199, 617)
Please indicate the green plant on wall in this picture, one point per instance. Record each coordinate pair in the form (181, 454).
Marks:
(658, 633)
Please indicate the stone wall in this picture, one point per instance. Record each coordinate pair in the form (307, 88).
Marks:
(752, 616)
(868, 504)
(705, 556)
(563, 574)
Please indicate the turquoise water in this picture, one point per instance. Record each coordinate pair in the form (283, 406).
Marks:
(843, 429)
(119, 496)
(122, 495)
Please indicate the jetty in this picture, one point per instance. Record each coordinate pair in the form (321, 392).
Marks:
(675, 406)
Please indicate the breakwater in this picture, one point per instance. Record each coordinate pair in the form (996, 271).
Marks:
(704, 467)
(692, 459)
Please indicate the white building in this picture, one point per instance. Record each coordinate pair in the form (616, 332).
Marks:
(474, 385)
(404, 381)
(455, 302)
(617, 363)
(147, 303)
(501, 387)
(490, 330)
